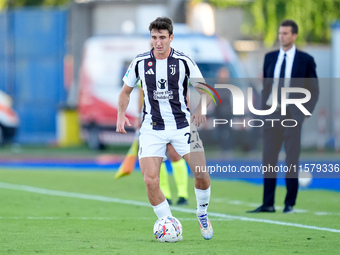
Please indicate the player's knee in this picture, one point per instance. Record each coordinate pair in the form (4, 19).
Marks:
(151, 182)
(201, 175)
(202, 183)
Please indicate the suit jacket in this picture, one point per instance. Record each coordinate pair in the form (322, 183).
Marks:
(303, 67)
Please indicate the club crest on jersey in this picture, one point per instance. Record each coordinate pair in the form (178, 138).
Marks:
(150, 63)
(162, 83)
(173, 69)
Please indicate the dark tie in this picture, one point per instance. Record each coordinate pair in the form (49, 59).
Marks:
(282, 78)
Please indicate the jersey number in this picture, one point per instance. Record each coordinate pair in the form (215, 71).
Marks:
(189, 137)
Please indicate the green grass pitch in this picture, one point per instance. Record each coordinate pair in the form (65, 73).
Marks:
(87, 212)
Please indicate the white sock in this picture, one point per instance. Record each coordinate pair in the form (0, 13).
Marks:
(162, 209)
(202, 197)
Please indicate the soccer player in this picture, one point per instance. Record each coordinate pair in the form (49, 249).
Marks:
(164, 73)
(179, 167)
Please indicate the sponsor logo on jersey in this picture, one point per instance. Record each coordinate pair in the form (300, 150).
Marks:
(150, 71)
(162, 83)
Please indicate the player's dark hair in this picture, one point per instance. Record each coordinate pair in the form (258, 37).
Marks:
(162, 23)
(292, 24)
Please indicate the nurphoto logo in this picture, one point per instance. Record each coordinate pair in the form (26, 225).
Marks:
(238, 105)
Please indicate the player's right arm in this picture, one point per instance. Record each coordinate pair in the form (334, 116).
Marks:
(123, 102)
(130, 79)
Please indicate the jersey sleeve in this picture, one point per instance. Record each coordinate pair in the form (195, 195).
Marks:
(195, 73)
(131, 76)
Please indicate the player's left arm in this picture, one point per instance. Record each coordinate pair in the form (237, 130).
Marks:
(198, 82)
(197, 117)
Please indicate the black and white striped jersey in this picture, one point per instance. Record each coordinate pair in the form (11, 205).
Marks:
(164, 83)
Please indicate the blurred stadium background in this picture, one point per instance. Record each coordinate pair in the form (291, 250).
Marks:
(41, 49)
(43, 68)
(49, 49)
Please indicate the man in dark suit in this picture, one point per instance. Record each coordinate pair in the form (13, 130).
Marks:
(287, 67)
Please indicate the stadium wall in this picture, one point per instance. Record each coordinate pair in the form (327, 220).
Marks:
(32, 50)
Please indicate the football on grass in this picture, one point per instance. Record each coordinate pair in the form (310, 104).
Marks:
(168, 229)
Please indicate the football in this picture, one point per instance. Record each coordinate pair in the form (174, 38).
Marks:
(168, 229)
(305, 179)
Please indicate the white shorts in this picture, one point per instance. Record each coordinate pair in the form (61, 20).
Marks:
(152, 143)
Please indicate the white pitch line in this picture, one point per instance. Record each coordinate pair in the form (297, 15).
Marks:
(144, 204)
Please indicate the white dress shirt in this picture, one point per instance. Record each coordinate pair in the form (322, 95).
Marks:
(290, 55)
